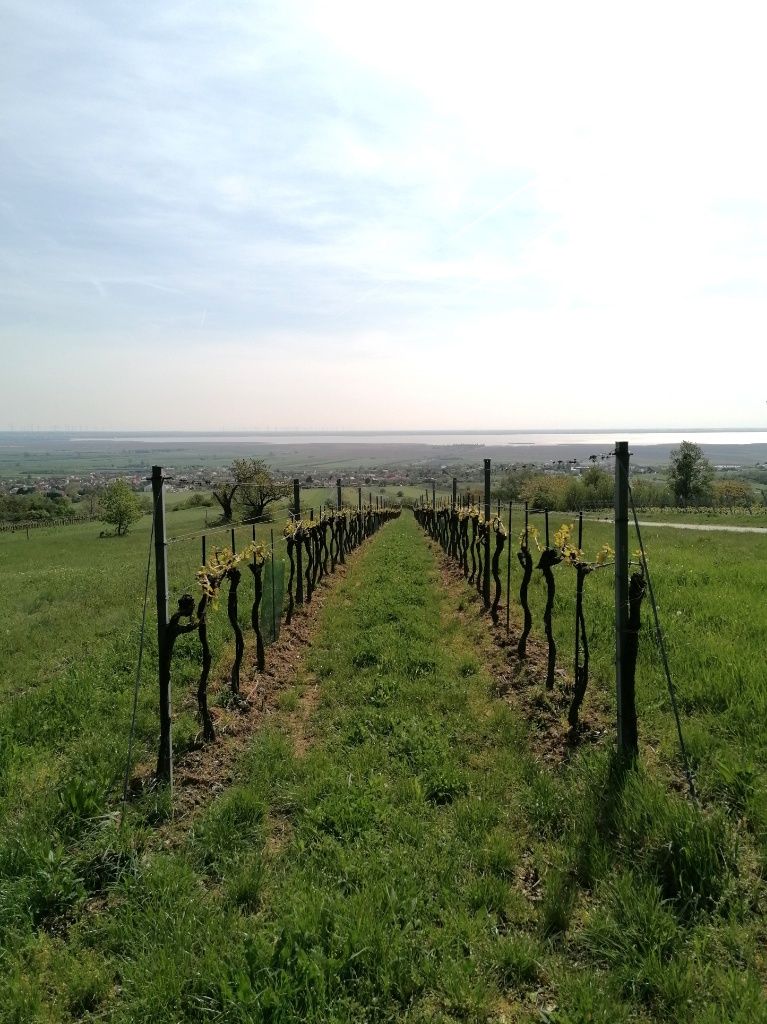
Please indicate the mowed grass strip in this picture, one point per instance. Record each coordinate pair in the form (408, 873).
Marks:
(413, 863)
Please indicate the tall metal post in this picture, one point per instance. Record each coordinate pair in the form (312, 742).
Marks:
(299, 548)
(165, 755)
(296, 498)
(274, 633)
(486, 566)
(508, 573)
(626, 711)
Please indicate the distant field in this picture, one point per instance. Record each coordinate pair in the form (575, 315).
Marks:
(57, 454)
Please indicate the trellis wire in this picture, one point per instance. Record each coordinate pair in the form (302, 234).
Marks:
(662, 649)
(132, 730)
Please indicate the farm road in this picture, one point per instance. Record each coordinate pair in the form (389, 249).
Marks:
(706, 527)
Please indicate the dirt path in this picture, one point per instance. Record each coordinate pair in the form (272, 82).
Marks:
(704, 527)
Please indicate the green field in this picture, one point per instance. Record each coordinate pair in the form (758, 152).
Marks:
(430, 867)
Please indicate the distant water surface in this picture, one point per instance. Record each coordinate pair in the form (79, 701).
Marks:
(441, 438)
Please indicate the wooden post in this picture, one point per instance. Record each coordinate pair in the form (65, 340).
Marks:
(626, 712)
(486, 565)
(165, 755)
(359, 498)
(338, 495)
(433, 494)
(455, 491)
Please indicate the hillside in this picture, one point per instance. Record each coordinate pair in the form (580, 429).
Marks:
(395, 840)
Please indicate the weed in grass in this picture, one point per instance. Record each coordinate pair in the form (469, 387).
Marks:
(288, 700)
(244, 882)
(516, 961)
(467, 668)
(234, 823)
(559, 896)
(692, 856)
(474, 818)
(584, 996)
(500, 854)
(488, 893)
(79, 799)
(632, 922)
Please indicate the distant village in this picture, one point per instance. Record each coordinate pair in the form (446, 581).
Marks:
(195, 479)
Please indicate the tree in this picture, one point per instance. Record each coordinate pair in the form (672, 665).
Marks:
(240, 471)
(689, 474)
(258, 488)
(732, 494)
(119, 506)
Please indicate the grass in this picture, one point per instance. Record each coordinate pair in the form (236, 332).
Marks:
(418, 862)
(714, 621)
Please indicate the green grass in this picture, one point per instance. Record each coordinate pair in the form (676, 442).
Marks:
(430, 869)
(708, 588)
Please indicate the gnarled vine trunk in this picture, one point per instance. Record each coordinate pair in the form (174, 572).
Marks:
(239, 643)
(526, 561)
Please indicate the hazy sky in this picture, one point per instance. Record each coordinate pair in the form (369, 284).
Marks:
(404, 214)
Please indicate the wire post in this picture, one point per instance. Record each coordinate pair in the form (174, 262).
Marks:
(486, 566)
(455, 491)
(165, 753)
(338, 495)
(578, 604)
(299, 545)
(132, 732)
(359, 498)
(296, 498)
(434, 494)
(274, 633)
(626, 707)
(508, 574)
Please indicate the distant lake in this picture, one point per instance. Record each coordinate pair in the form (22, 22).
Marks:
(516, 439)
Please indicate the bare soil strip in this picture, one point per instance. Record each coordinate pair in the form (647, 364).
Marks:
(522, 683)
(201, 773)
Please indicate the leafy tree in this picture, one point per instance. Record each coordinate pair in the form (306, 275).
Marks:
(689, 474)
(240, 472)
(119, 506)
(253, 486)
(260, 490)
(732, 494)
(510, 487)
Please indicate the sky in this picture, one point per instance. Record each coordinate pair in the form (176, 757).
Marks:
(410, 215)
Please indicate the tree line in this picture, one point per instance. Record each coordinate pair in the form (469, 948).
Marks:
(689, 481)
